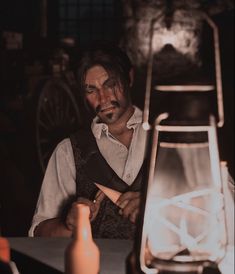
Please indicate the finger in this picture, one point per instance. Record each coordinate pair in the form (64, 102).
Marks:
(131, 207)
(68, 223)
(120, 211)
(123, 204)
(96, 204)
(127, 196)
(99, 197)
(134, 215)
(84, 201)
(70, 219)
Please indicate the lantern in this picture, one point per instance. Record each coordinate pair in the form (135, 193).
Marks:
(184, 220)
(184, 226)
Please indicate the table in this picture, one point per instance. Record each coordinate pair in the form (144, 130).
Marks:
(46, 255)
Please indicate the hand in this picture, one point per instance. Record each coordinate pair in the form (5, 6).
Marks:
(129, 203)
(94, 209)
(97, 201)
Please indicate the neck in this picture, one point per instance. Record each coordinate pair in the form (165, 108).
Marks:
(119, 126)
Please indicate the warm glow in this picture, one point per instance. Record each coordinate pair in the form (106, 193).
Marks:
(183, 34)
(184, 214)
(183, 40)
(199, 229)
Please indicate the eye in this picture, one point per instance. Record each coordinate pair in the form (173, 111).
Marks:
(90, 90)
(111, 83)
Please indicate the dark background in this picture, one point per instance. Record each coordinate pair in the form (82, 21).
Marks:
(24, 71)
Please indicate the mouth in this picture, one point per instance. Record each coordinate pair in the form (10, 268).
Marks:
(107, 109)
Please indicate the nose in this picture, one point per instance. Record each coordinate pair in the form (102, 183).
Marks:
(103, 96)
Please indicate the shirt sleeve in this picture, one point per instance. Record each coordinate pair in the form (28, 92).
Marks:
(58, 184)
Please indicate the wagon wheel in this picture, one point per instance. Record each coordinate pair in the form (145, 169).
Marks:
(56, 118)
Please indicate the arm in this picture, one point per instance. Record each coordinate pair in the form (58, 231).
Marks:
(58, 187)
(52, 228)
(56, 228)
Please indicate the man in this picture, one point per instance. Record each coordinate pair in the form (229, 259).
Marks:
(111, 154)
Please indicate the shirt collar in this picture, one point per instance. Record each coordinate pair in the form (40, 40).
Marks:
(98, 127)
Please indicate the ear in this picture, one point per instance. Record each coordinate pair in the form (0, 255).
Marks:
(131, 75)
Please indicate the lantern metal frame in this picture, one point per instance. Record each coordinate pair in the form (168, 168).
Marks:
(209, 127)
(188, 88)
(217, 178)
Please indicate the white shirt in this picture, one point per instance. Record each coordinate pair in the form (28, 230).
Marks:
(59, 180)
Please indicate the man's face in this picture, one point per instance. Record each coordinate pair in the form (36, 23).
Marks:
(105, 95)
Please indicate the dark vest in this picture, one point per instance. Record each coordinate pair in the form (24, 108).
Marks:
(92, 167)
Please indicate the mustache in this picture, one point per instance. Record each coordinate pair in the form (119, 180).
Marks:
(113, 103)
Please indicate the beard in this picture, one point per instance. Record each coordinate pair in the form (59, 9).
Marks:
(109, 116)
(114, 115)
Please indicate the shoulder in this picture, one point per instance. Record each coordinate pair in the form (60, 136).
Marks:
(81, 133)
(82, 138)
(64, 147)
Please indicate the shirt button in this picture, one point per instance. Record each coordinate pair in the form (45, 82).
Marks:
(128, 176)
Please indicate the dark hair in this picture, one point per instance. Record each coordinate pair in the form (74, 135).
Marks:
(111, 58)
